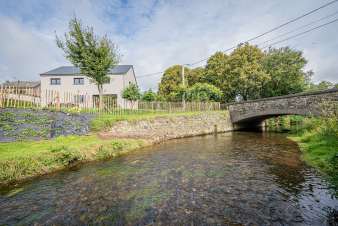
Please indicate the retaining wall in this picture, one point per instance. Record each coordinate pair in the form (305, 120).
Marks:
(164, 128)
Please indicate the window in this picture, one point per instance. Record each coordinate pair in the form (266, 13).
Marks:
(55, 81)
(78, 81)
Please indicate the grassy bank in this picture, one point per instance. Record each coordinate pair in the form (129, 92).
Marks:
(25, 159)
(22, 160)
(317, 139)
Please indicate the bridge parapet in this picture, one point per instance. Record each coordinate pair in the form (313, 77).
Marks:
(295, 104)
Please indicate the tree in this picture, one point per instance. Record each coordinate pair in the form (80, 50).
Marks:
(171, 81)
(195, 75)
(217, 73)
(160, 98)
(177, 95)
(93, 55)
(131, 93)
(204, 92)
(286, 70)
(321, 86)
(149, 96)
(246, 74)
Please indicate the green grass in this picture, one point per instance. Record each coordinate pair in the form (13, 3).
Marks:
(318, 141)
(105, 121)
(21, 160)
(317, 138)
(24, 159)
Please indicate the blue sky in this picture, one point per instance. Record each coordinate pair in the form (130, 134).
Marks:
(155, 34)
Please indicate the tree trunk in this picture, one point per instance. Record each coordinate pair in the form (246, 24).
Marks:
(100, 88)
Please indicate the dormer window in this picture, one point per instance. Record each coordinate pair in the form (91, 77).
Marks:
(78, 81)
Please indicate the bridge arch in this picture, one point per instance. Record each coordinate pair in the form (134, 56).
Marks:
(251, 114)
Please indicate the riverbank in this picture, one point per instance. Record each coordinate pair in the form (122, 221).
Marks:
(317, 138)
(22, 160)
(170, 127)
(318, 141)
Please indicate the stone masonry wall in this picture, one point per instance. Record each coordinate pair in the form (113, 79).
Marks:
(164, 128)
(298, 104)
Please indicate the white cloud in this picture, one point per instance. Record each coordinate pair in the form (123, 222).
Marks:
(153, 35)
(24, 52)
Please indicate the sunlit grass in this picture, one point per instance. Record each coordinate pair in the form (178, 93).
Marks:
(318, 141)
(19, 160)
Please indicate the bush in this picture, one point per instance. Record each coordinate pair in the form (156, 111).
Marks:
(204, 92)
(131, 93)
(149, 96)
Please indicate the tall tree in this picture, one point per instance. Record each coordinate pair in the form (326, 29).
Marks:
(195, 75)
(171, 80)
(286, 70)
(94, 56)
(247, 74)
(217, 73)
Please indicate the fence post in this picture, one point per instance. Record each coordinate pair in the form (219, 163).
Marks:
(11, 90)
(58, 104)
(31, 94)
(1, 96)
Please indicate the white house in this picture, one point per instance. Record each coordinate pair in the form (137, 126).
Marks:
(68, 82)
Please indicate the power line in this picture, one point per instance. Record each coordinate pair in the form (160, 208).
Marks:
(150, 74)
(301, 33)
(254, 38)
(291, 21)
(298, 28)
(273, 29)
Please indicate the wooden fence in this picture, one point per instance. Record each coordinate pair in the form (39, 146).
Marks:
(12, 97)
(179, 106)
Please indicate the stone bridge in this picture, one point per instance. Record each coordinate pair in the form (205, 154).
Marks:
(250, 114)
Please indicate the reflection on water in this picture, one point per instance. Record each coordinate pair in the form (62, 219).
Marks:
(229, 179)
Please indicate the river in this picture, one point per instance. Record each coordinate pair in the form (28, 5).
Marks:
(237, 178)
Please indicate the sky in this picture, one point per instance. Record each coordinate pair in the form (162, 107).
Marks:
(153, 34)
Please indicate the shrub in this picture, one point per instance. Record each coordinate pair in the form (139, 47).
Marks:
(131, 93)
(149, 96)
(204, 92)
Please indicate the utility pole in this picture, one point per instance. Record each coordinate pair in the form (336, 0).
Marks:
(183, 84)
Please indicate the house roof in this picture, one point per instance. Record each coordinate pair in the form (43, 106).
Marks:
(22, 84)
(71, 70)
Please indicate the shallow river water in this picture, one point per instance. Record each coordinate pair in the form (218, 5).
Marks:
(229, 179)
